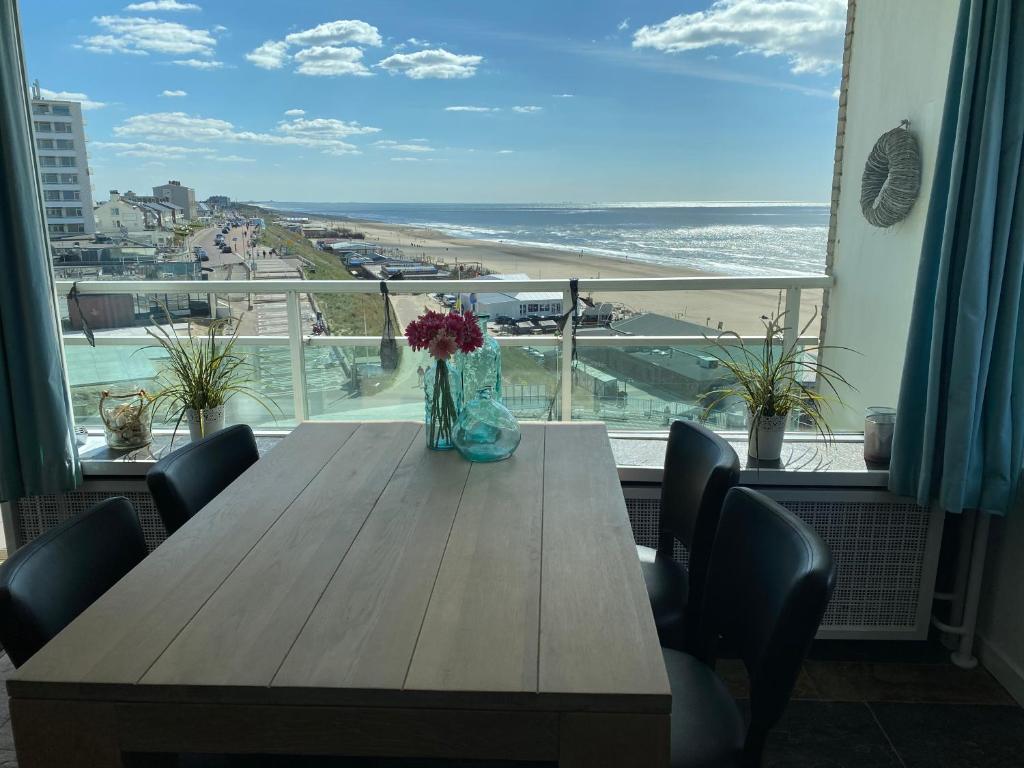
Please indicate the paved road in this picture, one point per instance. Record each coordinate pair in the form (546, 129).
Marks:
(204, 238)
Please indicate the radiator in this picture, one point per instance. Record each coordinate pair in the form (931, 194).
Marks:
(886, 551)
(34, 515)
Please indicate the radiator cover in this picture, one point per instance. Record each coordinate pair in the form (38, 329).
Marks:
(885, 548)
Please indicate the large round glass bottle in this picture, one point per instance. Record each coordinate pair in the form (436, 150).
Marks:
(486, 429)
(481, 368)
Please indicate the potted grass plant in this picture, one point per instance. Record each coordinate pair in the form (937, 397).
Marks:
(775, 381)
(201, 374)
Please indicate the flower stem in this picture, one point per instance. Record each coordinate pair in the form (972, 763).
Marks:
(442, 406)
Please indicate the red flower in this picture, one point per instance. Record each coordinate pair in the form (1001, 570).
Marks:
(441, 334)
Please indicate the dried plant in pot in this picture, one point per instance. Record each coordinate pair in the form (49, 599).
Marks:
(201, 374)
(775, 381)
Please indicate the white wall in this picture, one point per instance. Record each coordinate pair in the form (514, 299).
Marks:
(898, 70)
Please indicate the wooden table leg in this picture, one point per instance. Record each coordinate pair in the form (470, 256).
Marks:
(605, 740)
(58, 734)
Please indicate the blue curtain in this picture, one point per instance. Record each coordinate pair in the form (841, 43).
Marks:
(960, 435)
(37, 442)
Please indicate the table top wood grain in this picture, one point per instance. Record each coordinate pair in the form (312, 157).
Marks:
(351, 566)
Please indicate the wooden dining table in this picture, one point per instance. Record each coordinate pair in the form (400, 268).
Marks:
(353, 593)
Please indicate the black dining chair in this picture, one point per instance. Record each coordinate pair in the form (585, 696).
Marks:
(184, 482)
(769, 582)
(46, 583)
(700, 468)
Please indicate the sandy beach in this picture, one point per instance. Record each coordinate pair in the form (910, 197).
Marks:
(735, 310)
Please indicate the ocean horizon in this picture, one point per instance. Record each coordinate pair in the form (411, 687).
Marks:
(721, 237)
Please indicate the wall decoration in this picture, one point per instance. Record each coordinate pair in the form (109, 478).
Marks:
(892, 177)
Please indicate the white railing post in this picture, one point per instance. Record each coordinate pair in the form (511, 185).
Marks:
(792, 317)
(566, 362)
(298, 356)
(211, 299)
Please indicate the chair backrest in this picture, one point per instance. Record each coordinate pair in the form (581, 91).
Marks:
(700, 468)
(184, 482)
(770, 580)
(53, 578)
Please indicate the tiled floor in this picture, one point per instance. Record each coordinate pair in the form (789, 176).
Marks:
(858, 705)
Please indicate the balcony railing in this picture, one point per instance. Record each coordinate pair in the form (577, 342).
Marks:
(299, 344)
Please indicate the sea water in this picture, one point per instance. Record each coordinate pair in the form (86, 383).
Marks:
(728, 238)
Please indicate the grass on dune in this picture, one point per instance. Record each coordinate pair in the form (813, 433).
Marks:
(346, 314)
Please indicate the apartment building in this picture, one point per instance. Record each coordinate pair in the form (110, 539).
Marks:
(58, 132)
(181, 196)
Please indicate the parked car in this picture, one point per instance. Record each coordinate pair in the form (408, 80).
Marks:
(225, 249)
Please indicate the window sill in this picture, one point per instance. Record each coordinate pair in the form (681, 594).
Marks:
(807, 460)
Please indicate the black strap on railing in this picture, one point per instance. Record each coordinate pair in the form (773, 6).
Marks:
(388, 345)
(86, 328)
(572, 312)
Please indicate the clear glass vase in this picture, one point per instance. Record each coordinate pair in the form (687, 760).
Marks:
(442, 400)
(481, 368)
(486, 430)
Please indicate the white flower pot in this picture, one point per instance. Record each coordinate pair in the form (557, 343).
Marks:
(205, 422)
(765, 435)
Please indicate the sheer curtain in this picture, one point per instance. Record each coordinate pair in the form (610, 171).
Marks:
(37, 442)
(960, 437)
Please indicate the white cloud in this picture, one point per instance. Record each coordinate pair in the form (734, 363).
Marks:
(322, 52)
(174, 125)
(325, 134)
(324, 128)
(143, 150)
(146, 149)
(330, 61)
(472, 109)
(623, 25)
(271, 55)
(396, 147)
(808, 32)
(141, 36)
(565, 96)
(199, 63)
(294, 112)
(174, 94)
(83, 99)
(110, 44)
(340, 31)
(432, 63)
(528, 110)
(405, 159)
(162, 5)
(835, 94)
(506, 151)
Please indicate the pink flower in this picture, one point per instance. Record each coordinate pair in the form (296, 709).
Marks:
(442, 346)
(443, 334)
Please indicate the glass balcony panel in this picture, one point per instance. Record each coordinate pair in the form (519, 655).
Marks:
(642, 387)
(127, 368)
(710, 312)
(346, 382)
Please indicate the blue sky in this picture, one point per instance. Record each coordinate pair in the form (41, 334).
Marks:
(352, 101)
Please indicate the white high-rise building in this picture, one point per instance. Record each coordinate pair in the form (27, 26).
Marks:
(59, 134)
